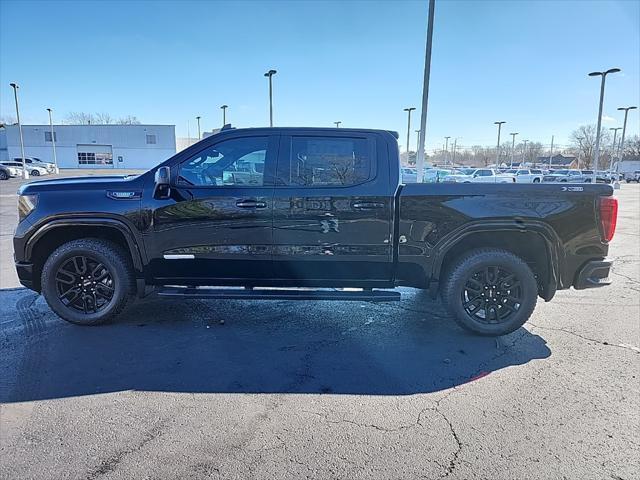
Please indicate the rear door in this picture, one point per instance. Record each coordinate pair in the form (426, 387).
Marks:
(333, 209)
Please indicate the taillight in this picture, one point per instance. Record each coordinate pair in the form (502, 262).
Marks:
(608, 217)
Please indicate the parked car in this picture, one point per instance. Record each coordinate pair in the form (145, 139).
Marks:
(330, 213)
(35, 161)
(436, 175)
(570, 176)
(6, 173)
(409, 175)
(526, 175)
(34, 170)
(632, 177)
(482, 175)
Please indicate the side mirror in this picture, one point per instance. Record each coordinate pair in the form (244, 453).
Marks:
(162, 188)
(476, 175)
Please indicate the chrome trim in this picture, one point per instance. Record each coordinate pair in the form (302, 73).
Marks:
(179, 257)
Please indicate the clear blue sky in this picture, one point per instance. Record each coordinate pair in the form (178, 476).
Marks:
(360, 62)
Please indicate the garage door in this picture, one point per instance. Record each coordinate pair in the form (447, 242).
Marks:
(95, 156)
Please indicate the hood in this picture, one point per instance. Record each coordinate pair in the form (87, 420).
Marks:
(77, 183)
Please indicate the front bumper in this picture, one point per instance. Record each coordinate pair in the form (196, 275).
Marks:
(594, 273)
(25, 274)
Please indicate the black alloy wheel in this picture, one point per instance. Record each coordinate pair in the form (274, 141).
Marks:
(84, 284)
(492, 295)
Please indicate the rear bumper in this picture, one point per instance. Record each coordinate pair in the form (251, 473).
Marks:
(594, 273)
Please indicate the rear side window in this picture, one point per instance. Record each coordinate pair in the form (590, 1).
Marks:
(328, 161)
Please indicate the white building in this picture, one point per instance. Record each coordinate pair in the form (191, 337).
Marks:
(92, 146)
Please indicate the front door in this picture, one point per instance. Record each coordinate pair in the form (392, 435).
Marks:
(333, 208)
(216, 227)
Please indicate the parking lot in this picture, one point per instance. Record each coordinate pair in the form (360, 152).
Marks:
(232, 389)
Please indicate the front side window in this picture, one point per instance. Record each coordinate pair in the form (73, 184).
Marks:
(328, 161)
(484, 173)
(237, 161)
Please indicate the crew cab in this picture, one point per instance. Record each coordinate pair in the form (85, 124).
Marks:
(525, 175)
(318, 208)
(566, 176)
(481, 175)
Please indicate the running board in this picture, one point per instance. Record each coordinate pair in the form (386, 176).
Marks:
(279, 294)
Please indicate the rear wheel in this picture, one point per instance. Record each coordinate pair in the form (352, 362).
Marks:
(3, 175)
(536, 180)
(87, 281)
(490, 292)
(35, 173)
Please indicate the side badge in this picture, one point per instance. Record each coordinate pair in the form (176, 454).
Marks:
(572, 189)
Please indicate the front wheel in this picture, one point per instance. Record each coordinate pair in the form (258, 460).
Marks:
(490, 291)
(536, 180)
(4, 175)
(87, 281)
(35, 173)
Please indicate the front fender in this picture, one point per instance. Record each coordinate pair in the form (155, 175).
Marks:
(133, 242)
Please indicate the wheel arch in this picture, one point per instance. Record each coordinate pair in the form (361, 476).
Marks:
(57, 232)
(534, 242)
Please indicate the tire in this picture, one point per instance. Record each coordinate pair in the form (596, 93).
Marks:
(35, 173)
(536, 180)
(4, 175)
(467, 277)
(105, 297)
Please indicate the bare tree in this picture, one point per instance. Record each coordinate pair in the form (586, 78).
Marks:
(83, 118)
(103, 118)
(481, 155)
(583, 143)
(79, 118)
(631, 147)
(128, 120)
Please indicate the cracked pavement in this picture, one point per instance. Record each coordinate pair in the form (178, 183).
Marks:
(326, 390)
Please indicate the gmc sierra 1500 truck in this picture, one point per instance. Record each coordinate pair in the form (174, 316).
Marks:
(271, 210)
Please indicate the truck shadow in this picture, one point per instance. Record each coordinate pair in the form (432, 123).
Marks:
(255, 347)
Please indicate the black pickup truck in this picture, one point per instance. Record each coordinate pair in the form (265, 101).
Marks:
(261, 213)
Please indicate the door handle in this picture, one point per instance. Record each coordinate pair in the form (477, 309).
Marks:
(251, 204)
(368, 205)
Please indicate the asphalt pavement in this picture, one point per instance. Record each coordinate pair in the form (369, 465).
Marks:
(238, 389)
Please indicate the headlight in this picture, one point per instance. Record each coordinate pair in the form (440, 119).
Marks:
(26, 205)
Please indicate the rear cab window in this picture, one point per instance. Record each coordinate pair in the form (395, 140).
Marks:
(326, 161)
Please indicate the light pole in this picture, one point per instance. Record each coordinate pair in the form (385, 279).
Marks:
(408, 110)
(446, 149)
(270, 74)
(425, 92)
(53, 141)
(455, 146)
(224, 114)
(596, 155)
(551, 153)
(25, 174)
(613, 148)
(337, 124)
(417, 143)
(198, 119)
(524, 150)
(621, 146)
(513, 146)
(498, 147)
